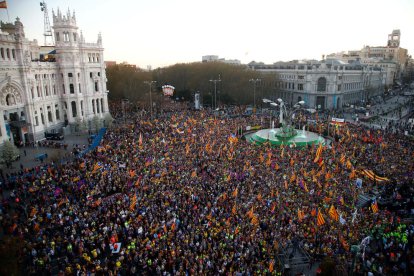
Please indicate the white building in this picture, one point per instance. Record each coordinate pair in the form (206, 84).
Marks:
(47, 88)
(214, 58)
(323, 85)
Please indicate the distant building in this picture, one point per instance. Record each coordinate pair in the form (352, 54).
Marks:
(326, 84)
(46, 88)
(214, 58)
(391, 57)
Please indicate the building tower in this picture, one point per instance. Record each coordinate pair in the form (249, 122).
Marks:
(394, 39)
(69, 65)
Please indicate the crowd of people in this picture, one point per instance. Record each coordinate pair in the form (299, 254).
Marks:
(183, 194)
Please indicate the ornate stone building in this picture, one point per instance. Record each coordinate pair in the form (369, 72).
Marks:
(46, 88)
(326, 84)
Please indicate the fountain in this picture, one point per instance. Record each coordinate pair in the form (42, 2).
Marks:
(287, 134)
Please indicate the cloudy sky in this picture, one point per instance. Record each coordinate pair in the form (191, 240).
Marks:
(164, 32)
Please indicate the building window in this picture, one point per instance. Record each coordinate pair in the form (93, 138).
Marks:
(8, 53)
(300, 86)
(2, 53)
(97, 58)
(54, 90)
(81, 105)
(57, 113)
(96, 86)
(38, 91)
(37, 120)
(102, 107)
(63, 87)
(80, 91)
(93, 106)
(340, 77)
(46, 91)
(14, 54)
(99, 74)
(90, 74)
(73, 105)
(49, 116)
(321, 84)
(78, 75)
(301, 77)
(57, 36)
(74, 37)
(71, 88)
(97, 105)
(43, 118)
(89, 57)
(70, 75)
(339, 87)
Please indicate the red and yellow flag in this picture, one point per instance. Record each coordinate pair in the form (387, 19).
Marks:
(333, 213)
(320, 220)
(235, 192)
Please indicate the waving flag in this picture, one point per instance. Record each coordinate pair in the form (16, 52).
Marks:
(320, 220)
(374, 207)
(333, 213)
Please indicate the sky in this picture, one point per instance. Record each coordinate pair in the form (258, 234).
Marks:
(160, 33)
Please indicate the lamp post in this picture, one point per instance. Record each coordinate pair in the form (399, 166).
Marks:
(150, 91)
(215, 93)
(254, 81)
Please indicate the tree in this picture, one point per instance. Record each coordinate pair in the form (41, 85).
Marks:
(108, 120)
(234, 88)
(9, 152)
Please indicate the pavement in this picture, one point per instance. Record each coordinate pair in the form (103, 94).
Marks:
(28, 154)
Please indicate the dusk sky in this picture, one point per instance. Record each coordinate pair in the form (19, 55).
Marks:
(164, 32)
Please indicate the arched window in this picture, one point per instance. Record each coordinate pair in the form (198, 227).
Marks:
(321, 84)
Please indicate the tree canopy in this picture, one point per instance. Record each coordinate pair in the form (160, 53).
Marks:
(234, 86)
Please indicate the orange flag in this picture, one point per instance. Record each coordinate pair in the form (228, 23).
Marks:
(234, 209)
(333, 213)
(236, 192)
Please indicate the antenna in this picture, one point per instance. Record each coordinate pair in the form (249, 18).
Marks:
(48, 29)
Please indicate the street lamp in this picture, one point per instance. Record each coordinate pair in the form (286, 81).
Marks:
(215, 93)
(150, 90)
(254, 81)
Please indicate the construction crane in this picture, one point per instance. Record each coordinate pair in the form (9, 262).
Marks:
(48, 30)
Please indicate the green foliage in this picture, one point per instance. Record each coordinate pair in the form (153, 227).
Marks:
(9, 152)
(234, 88)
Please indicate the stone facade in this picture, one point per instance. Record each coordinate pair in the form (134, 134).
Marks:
(45, 88)
(327, 84)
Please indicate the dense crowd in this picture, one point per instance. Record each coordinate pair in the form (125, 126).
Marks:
(181, 194)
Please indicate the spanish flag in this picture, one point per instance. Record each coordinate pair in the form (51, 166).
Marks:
(320, 220)
(3, 5)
